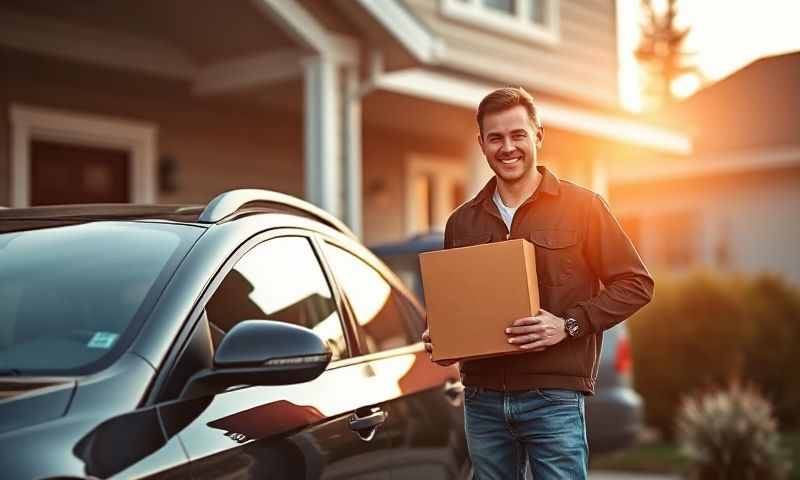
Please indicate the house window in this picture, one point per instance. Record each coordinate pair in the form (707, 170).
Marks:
(535, 20)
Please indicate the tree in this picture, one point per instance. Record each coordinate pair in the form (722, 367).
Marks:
(660, 51)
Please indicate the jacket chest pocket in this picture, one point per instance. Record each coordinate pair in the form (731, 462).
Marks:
(557, 253)
(475, 239)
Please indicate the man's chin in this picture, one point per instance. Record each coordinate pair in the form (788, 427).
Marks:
(508, 177)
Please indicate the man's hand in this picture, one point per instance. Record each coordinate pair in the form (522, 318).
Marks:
(426, 338)
(538, 332)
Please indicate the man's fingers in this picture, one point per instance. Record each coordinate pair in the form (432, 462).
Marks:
(538, 328)
(523, 339)
(542, 343)
(526, 321)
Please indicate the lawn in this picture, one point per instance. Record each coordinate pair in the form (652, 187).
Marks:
(664, 458)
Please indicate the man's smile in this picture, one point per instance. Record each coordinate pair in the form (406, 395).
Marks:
(509, 161)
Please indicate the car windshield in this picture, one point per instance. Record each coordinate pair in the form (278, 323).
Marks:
(72, 296)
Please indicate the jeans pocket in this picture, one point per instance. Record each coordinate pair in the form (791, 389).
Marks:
(470, 392)
(560, 395)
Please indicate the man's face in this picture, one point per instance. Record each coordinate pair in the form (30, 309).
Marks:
(509, 143)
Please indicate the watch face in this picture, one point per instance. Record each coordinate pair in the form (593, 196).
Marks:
(572, 327)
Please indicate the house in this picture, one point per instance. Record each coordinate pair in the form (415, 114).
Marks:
(363, 107)
(734, 204)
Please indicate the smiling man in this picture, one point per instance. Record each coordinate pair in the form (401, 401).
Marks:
(529, 407)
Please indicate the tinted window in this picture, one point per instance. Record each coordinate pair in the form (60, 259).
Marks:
(280, 279)
(377, 307)
(71, 296)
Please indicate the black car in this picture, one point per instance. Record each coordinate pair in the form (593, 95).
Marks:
(613, 413)
(250, 338)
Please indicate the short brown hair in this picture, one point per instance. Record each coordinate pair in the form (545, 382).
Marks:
(505, 98)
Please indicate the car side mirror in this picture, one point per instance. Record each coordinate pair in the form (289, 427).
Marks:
(262, 352)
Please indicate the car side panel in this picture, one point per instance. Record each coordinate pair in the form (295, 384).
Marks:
(291, 431)
(427, 422)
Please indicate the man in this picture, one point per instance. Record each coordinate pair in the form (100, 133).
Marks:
(529, 406)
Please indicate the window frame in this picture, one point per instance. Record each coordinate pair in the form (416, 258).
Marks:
(517, 24)
(182, 340)
(407, 304)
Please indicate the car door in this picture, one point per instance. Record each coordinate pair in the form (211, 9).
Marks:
(326, 428)
(426, 409)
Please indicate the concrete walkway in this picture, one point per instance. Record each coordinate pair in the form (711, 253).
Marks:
(610, 475)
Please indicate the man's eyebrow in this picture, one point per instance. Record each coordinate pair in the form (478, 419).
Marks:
(518, 131)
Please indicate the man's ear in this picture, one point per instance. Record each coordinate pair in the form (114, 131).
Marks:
(539, 137)
(480, 139)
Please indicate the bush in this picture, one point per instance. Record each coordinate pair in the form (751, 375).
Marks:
(731, 435)
(706, 328)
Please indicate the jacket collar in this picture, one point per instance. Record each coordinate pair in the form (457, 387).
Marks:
(549, 185)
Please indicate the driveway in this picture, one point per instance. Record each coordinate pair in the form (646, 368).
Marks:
(611, 475)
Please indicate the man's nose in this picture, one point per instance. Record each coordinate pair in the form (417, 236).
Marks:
(508, 145)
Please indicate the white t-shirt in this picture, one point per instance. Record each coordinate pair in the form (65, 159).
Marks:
(507, 213)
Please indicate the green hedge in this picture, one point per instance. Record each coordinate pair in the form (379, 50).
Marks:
(705, 329)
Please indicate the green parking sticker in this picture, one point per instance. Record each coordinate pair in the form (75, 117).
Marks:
(104, 340)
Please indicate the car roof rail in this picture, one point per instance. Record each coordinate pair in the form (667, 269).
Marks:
(230, 203)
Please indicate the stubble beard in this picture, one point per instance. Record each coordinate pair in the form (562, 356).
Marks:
(512, 178)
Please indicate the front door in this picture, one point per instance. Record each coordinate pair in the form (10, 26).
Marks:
(64, 173)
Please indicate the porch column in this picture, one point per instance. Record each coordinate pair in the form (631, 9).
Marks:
(322, 141)
(352, 151)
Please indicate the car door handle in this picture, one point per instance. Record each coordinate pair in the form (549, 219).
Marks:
(369, 422)
(366, 426)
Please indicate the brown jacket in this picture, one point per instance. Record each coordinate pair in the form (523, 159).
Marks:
(588, 270)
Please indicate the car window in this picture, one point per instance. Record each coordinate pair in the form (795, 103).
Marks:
(381, 316)
(280, 279)
(72, 296)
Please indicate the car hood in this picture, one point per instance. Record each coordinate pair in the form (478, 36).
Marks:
(27, 402)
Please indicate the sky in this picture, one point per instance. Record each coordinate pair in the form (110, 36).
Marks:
(726, 35)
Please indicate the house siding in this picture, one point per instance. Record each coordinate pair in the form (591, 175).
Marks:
(753, 215)
(587, 49)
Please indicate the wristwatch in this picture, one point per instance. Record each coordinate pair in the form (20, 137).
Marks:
(572, 327)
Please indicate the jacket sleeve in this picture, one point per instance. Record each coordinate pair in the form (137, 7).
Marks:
(627, 284)
(448, 232)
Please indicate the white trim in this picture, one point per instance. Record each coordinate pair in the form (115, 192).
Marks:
(302, 26)
(97, 46)
(455, 91)
(733, 162)
(297, 22)
(517, 24)
(405, 28)
(139, 138)
(251, 71)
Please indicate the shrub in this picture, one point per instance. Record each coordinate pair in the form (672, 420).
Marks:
(731, 435)
(705, 328)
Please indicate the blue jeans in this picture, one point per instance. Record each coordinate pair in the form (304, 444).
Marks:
(546, 427)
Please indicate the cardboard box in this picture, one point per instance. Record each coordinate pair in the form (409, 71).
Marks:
(473, 294)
